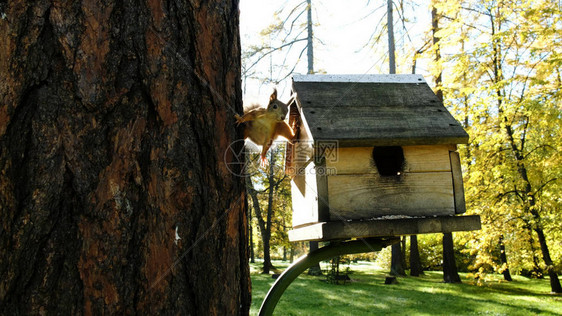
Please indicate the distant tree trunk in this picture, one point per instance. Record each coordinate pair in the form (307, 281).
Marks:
(262, 224)
(450, 274)
(292, 254)
(284, 230)
(267, 265)
(503, 260)
(390, 28)
(415, 263)
(115, 197)
(310, 37)
(251, 233)
(439, 76)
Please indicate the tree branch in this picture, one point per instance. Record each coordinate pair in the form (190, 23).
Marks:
(544, 185)
(274, 50)
(539, 147)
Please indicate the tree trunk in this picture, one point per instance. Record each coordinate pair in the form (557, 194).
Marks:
(503, 260)
(554, 281)
(415, 263)
(292, 254)
(267, 265)
(261, 224)
(390, 28)
(396, 267)
(450, 274)
(251, 233)
(530, 202)
(310, 36)
(439, 76)
(115, 120)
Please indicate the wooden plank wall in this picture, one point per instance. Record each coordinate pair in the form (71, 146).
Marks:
(304, 191)
(424, 187)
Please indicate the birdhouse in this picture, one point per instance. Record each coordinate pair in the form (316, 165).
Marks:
(370, 149)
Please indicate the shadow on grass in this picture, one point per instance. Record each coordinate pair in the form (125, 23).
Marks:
(426, 295)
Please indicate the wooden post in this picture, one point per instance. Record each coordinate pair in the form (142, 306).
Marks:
(415, 264)
(450, 274)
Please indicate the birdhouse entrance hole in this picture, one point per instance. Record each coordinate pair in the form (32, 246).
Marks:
(389, 160)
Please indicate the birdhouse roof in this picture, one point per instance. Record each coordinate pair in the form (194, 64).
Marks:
(374, 110)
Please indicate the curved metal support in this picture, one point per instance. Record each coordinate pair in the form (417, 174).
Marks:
(332, 250)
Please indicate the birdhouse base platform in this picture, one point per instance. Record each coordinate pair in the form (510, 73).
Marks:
(384, 227)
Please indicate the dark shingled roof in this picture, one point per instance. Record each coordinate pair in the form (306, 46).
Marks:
(375, 110)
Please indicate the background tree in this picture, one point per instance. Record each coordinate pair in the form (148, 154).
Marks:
(292, 25)
(263, 187)
(450, 274)
(510, 96)
(115, 195)
(284, 38)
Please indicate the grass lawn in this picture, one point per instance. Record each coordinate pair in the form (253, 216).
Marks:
(426, 295)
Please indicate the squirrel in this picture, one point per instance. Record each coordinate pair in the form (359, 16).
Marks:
(263, 126)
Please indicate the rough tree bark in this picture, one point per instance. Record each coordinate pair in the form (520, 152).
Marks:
(115, 196)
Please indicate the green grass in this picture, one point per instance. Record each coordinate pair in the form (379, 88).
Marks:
(426, 295)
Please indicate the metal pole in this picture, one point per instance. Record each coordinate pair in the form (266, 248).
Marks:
(332, 250)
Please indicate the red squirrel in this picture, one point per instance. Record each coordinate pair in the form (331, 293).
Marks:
(263, 126)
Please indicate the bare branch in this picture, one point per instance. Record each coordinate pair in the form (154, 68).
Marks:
(274, 50)
(295, 65)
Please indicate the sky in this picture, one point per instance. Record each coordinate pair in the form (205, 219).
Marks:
(342, 31)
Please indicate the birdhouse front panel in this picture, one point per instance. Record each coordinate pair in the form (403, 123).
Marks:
(372, 146)
(367, 182)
